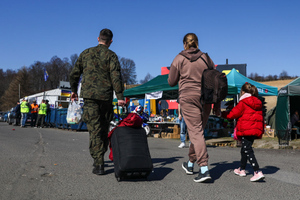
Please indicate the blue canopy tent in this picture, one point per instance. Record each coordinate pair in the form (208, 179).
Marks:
(235, 79)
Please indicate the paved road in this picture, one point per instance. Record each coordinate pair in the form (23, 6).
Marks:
(55, 164)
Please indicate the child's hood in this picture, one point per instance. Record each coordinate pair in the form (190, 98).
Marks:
(253, 102)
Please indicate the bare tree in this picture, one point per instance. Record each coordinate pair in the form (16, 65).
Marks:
(36, 72)
(73, 58)
(147, 78)
(58, 71)
(128, 70)
(251, 76)
(283, 75)
(269, 78)
(67, 69)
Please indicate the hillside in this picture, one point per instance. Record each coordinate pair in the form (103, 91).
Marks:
(272, 100)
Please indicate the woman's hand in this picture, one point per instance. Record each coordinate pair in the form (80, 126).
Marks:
(74, 96)
(180, 117)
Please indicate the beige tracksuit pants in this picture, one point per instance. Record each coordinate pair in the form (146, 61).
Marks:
(195, 117)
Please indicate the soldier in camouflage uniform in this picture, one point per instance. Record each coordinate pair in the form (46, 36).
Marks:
(101, 75)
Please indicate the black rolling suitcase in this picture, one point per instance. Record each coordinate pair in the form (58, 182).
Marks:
(131, 153)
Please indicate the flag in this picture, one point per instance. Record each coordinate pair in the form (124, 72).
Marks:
(65, 93)
(45, 75)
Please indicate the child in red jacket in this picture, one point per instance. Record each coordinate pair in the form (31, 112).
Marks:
(249, 126)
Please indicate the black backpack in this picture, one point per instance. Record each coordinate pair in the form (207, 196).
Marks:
(214, 85)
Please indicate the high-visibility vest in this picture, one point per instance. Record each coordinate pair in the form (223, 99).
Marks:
(43, 109)
(24, 107)
(33, 107)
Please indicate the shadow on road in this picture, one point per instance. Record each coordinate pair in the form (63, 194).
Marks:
(270, 169)
(221, 167)
(160, 171)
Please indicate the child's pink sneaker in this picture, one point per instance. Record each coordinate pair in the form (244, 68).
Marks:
(258, 175)
(239, 172)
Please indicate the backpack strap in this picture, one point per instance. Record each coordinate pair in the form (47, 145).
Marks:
(209, 67)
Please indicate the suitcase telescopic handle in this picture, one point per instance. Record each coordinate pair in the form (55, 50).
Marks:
(125, 110)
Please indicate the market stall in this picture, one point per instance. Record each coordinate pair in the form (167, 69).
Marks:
(287, 103)
(159, 88)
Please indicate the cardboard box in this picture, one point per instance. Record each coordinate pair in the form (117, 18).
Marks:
(269, 132)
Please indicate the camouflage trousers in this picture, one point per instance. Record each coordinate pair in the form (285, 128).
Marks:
(97, 116)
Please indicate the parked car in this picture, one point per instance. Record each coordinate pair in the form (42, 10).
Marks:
(1, 117)
(5, 115)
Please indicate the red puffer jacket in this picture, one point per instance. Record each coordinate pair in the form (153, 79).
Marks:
(250, 120)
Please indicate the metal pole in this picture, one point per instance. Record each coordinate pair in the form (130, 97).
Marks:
(19, 92)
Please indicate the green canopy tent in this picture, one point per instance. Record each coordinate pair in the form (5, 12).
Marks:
(287, 102)
(160, 83)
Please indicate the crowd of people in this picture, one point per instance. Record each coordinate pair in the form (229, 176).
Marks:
(36, 113)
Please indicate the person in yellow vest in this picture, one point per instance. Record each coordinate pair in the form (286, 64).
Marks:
(41, 115)
(24, 108)
(34, 113)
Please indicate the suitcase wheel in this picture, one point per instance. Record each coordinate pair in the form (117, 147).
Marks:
(118, 178)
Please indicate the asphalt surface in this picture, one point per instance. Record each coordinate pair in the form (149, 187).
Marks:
(55, 164)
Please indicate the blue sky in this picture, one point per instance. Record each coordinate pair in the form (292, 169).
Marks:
(264, 34)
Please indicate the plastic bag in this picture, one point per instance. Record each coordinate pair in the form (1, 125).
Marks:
(74, 113)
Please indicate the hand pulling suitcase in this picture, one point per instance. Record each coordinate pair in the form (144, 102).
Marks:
(131, 153)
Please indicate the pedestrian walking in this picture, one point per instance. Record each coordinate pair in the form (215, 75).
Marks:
(25, 108)
(186, 70)
(183, 131)
(249, 126)
(101, 75)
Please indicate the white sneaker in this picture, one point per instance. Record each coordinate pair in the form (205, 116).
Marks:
(182, 145)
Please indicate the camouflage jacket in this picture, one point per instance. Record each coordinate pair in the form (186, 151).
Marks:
(101, 74)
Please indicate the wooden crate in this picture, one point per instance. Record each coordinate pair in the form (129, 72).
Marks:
(175, 134)
(163, 134)
(175, 129)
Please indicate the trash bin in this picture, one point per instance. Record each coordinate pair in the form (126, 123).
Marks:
(61, 118)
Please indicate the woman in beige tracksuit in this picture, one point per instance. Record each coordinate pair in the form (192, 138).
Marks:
(186, 70)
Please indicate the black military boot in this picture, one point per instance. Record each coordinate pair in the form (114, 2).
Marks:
(99, 170)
